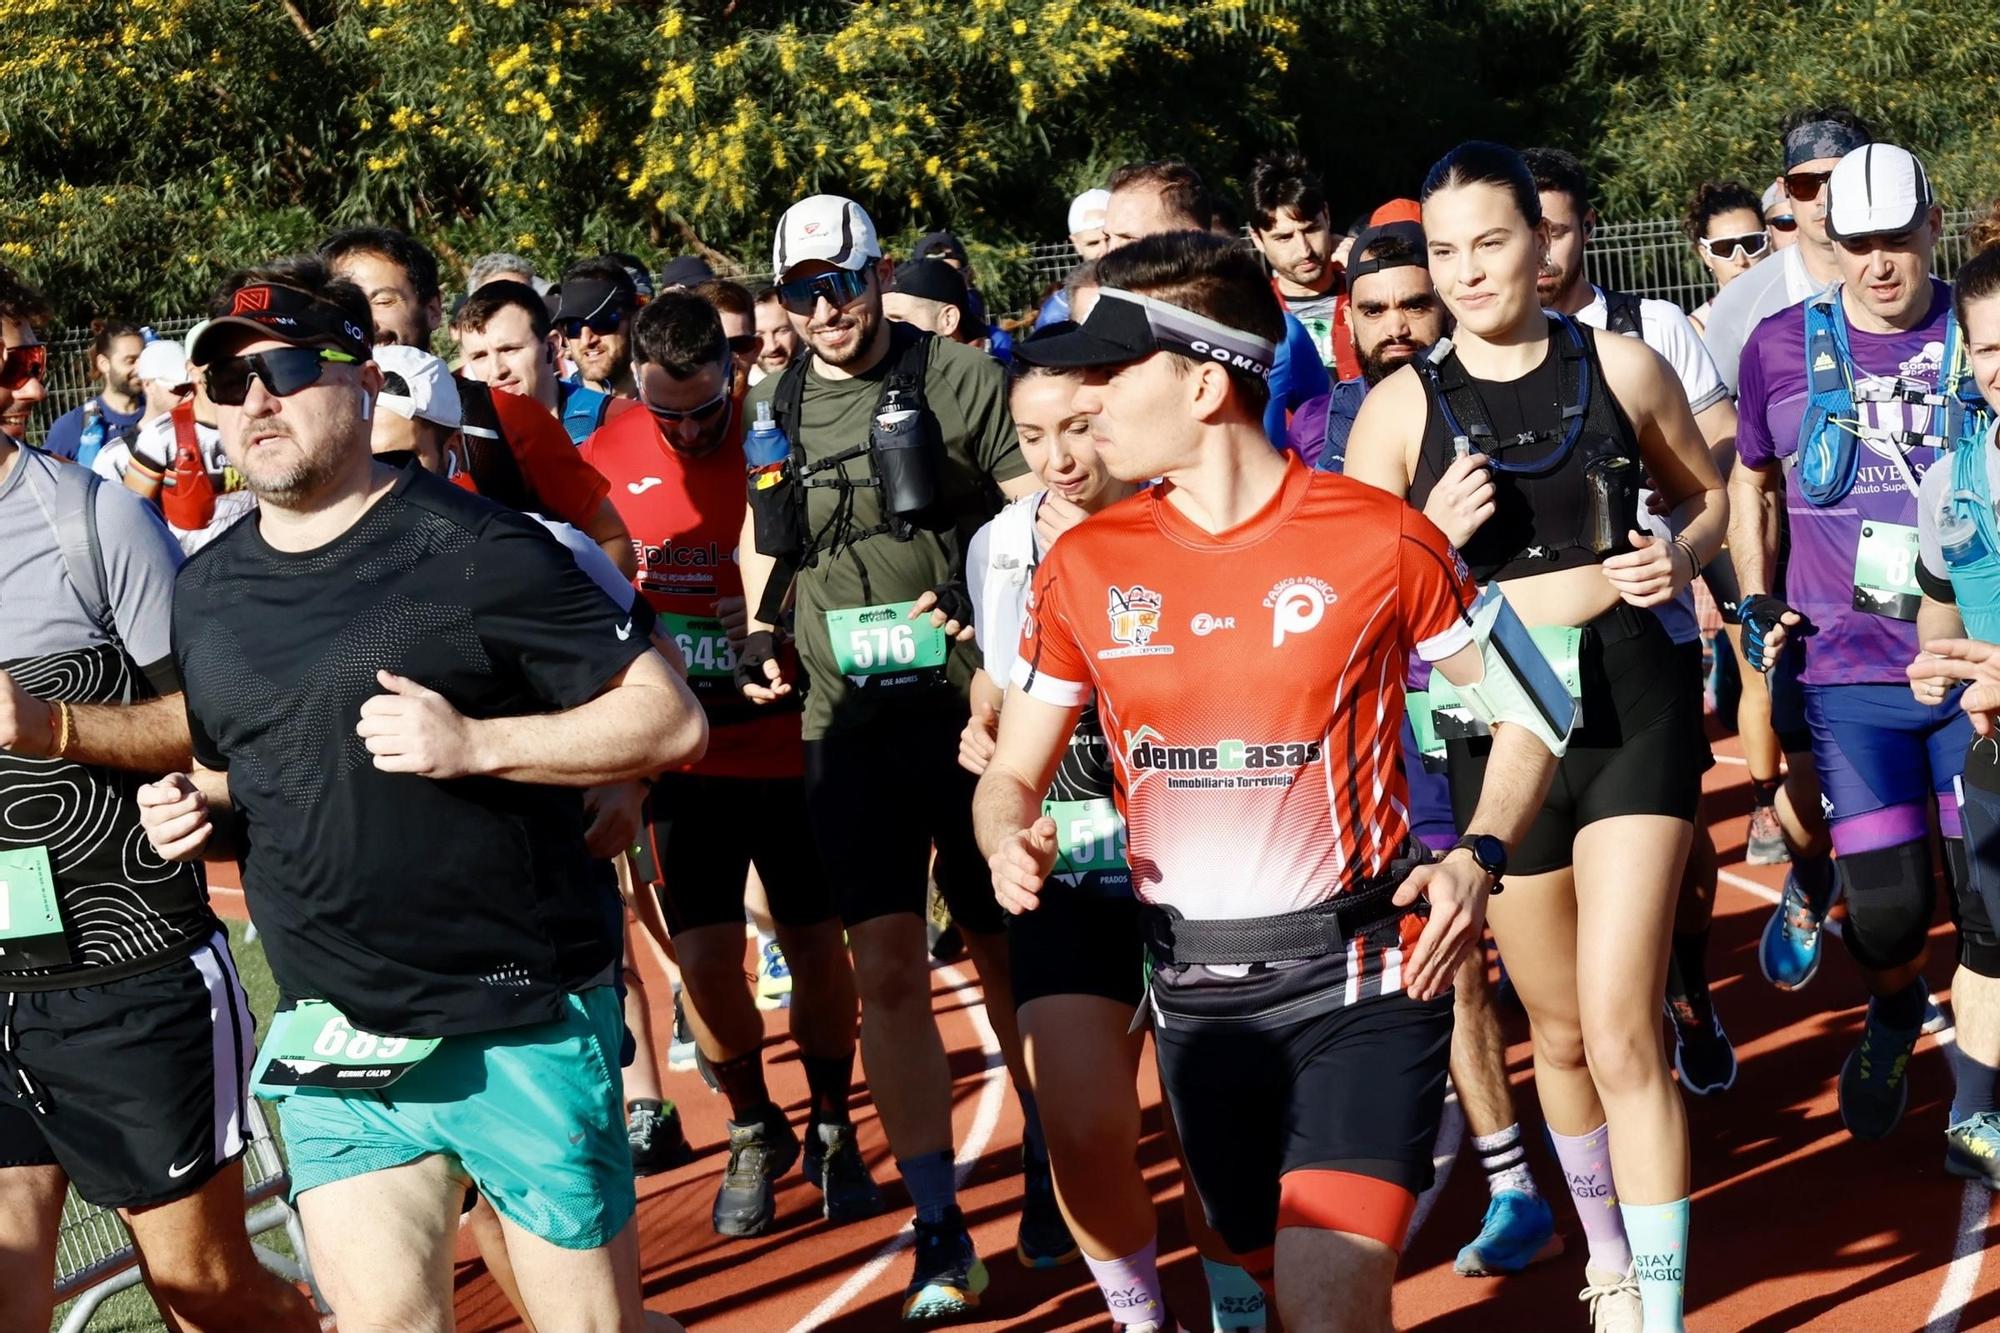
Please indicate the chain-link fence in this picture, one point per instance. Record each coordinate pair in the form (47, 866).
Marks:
(1650, 258)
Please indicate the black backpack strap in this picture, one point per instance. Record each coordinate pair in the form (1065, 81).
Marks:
(488, 456)
(1622, 314)
(1465, 413)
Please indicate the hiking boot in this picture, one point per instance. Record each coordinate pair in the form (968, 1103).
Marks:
(833, 1163)
(1703, 1055)
(658, 1142)
(760, 1151)
(1873, 1090)
(1765, 846)
(948, 1276)
(1789, 951)
(1043, 1240)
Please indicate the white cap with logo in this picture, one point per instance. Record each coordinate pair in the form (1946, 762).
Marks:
(824, 227)
(1086, 211)
(163, 361)
(429, 393)
(1877, 190)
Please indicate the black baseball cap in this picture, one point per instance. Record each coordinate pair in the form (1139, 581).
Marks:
(686, 271)
(941, 243)
(1125, 326)
(287, 314)
(1410, 234)
(587, 295)
(932, 280)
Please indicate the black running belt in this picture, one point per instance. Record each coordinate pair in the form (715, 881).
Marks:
(1313, 933)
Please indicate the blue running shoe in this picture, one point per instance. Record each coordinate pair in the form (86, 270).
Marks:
(1519, 1230)
(1873, 1089)
(1789, 951)
(1972, 1149)
(949, 1276)
(774, 978)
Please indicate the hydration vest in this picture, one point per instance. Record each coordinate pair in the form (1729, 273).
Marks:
(1829, 454)
(1622, 314)
(1972, 559)
(583, 411)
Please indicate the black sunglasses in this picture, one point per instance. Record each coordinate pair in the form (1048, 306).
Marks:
(29, 361)
(283, 371)
(607, 323)
(668, 416)
(1804, 186)
(840, 288)
(743, 344)
(1782, 222)
(1725, 247)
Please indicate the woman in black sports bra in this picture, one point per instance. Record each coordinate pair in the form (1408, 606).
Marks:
(1524, 439)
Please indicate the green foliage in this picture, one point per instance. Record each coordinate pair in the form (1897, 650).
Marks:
(149, 145)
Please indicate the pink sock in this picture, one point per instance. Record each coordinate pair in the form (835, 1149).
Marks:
(1586, 1164)
(1131, 1285)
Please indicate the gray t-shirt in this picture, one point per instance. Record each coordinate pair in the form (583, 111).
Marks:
(123, 910)
(1774, 285)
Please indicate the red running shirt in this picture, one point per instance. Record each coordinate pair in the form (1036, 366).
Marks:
(686, 518)
(1250, 682)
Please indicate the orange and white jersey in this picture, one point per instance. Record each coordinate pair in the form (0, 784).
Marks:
(1250, 682)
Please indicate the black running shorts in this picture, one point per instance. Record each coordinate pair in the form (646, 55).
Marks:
(1635, 752)
(879, 799)
(143, 1081)
(704, 833)
(1078, 943)
(1299, 1108)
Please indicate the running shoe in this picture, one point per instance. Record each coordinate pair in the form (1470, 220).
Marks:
(1873, 1091)
(1703, 1054)
(1614, 1302)
(658, 1142)
(774, 978)
(760, 1151)
(1789, 951)
(947, 943)
(1972, 1149)
(949, 1274)
(1170, 1325)
(1519, 1230)
(681, 1053)
(1766, 844)
(1936, 1019)
(1044, 1240)
(833, 1163)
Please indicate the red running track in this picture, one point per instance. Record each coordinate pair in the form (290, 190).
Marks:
(1796, 1226)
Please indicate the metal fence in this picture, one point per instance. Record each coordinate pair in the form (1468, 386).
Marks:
(1651, 258)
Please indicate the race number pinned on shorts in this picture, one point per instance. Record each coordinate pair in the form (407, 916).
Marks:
(312, 1045)
(881, 647)
(1562, 645)
(704, 644)
(31, 933)
(1885, 571)
(1090, 846)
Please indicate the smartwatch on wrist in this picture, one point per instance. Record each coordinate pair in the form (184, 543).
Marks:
(1488, 853)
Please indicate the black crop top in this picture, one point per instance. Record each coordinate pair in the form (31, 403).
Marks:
(1540, 523)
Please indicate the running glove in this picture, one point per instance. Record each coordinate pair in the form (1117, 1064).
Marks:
(954, 601)
(759, 646)
(1760, 614)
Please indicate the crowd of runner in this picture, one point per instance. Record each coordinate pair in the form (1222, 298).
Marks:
(1200, 655)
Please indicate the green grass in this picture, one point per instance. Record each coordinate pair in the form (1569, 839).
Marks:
(133, 1311)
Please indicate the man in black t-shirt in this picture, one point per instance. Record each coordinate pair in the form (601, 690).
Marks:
(396, 692)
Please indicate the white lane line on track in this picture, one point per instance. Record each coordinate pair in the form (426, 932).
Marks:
(985, 1120)
(1968, 1252)
(1451, 1135)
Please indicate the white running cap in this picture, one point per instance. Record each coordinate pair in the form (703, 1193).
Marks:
(826, 227)
(1877, 190)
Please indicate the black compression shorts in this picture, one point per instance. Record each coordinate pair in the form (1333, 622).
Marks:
(144, 1081)
(704, 833)
(1635, 752)
(879, 799)
(1298, 1108)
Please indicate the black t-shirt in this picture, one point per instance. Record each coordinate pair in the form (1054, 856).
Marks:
(420, 908)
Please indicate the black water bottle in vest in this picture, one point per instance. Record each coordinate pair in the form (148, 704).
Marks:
(1611, 508)
(899, 448)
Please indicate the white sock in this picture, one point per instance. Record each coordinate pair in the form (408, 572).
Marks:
(1505, 1160)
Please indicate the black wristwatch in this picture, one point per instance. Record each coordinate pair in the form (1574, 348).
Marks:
(1488, 853)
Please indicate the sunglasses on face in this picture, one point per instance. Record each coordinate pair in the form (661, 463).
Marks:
(744, 344)
(1726, 247)
(1782, 222)
(283, 371)
(1804, 186)
(30, 361)
(840, 288)
(606, 323)
(702, 415)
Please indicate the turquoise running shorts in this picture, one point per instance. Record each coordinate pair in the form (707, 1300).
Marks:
(534, 1116)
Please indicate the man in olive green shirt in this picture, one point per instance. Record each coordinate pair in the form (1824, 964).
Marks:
(883, 629)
